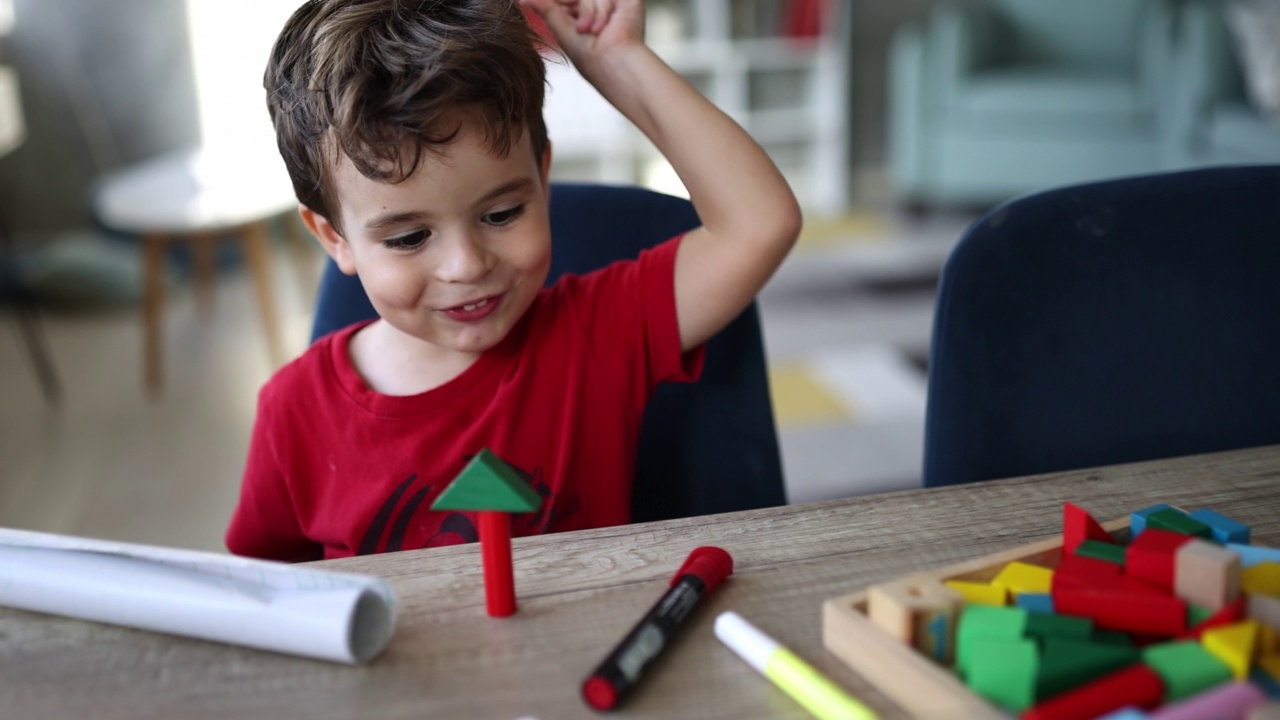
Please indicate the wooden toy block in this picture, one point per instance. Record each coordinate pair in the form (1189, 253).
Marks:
(1261, 578)
(1265, 711)
(1067, 662)
(487, 483)
(1075, 569)
(1232, 612)
(1136, 685)
(1206, 574)
(1151, 557)
(920, 613)
(1251, 555)
(1108, 552)
(1036, 602)
(1263, 608)
(1228, 701)
(1020, 577)
(1113, 637)
(1234, 645)
(1185, 667)
(1175, 520)
(1078, 526)
(1004, 671)
(1138, 519)
(1222, 528)
(980, 593)
(1266, 682)
(1270, 664)
(493, 489)
(986, 622)
(1040, 626)
(1197, 614)
(1268, 640)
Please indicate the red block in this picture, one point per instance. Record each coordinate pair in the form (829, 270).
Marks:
(1081, 570)
(1153, 556)
(1135, 685)
(1078, 526)
(1122, 604)
(1232, 612)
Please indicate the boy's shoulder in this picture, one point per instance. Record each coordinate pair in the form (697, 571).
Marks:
(312, 371)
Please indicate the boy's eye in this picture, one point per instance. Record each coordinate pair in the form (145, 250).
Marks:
(504, 217)
(406, 242)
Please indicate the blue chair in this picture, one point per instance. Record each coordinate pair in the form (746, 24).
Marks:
(707, 447)
(1106, 323)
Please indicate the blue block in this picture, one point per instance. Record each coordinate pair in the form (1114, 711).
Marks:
(1265, 682)
(1036, 602)
(1138, 519)
(1223, 528)
(1129, 713)
(1251, 555)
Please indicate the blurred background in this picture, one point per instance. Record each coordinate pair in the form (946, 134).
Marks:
(153, 274)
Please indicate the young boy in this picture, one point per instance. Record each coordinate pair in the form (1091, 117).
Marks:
(413, 134)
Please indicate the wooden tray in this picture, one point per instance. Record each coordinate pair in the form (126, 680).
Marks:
(914, 682)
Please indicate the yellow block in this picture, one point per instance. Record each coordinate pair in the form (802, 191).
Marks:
(1233, 644)
(1271, 665)
(1262, 578)
(1268, 643)
(980, 593)
(1020, 577)
(799, 400)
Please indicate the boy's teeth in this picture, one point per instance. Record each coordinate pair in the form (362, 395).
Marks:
(473, 306)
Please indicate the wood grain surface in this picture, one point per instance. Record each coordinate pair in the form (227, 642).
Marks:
(580, 592)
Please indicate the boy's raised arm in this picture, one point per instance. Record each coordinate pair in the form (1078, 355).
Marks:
(749, 214)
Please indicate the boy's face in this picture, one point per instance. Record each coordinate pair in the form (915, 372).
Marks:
(454, 255)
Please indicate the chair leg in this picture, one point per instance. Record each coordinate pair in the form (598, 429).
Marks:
(258, 259)
(154, 247)
(203, 247)
(30, 323)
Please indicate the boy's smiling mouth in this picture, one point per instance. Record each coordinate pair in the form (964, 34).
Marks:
(477, 309)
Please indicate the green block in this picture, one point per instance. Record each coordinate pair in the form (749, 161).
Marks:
(1185, 667)
(1113, 637)
(1004, 671)
(1042, 625)
(1066, 663)
(1111, 552)
(1197, 615)
(488, 484)
(986, 622)
(1176, 521)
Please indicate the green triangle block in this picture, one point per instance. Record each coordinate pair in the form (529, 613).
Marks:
(1044, 625)
(1177, 521)
(1110, 552)
(986, 622)
(1069, 662)
(1197, 614)
(488, 484)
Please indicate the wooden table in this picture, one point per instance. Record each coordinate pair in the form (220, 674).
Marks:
(580, 592)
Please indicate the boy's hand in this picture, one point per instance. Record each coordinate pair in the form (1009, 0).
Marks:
(586, 28)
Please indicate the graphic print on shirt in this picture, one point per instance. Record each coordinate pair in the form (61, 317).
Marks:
(455, 528)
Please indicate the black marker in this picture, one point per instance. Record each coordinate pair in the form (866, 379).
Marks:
(697, 578)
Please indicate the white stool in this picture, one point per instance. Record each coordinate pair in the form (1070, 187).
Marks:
(197, 197)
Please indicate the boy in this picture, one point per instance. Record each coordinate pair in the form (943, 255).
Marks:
(413, 134)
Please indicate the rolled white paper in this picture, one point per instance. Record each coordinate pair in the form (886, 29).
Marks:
(272, 606)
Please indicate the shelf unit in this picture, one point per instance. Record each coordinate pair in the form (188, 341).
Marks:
(790, 92)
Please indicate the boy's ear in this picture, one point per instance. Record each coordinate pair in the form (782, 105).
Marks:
(332, 240)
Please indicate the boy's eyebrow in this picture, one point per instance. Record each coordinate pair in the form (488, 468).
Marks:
(383, 221)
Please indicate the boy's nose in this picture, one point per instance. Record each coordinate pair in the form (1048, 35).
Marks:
(464, 259)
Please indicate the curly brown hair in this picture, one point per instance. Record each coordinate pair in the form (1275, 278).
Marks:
(383, 81)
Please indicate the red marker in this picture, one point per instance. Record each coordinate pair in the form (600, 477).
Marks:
(697, 578)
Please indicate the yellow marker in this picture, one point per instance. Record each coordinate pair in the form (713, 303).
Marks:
(797, 678)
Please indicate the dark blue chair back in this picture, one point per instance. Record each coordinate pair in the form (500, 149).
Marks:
(1106, 323)
(706, 447)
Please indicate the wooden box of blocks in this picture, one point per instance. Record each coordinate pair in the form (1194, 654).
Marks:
(1183, 632)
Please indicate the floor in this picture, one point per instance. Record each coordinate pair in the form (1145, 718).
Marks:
(846, 323)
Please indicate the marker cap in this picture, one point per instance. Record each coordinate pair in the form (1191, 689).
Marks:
(709, 564)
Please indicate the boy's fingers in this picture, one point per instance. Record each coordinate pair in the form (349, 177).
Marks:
(603, 11)
(555, 14)
(586, 16)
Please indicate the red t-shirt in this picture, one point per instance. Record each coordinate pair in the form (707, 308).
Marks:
(336, 469)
